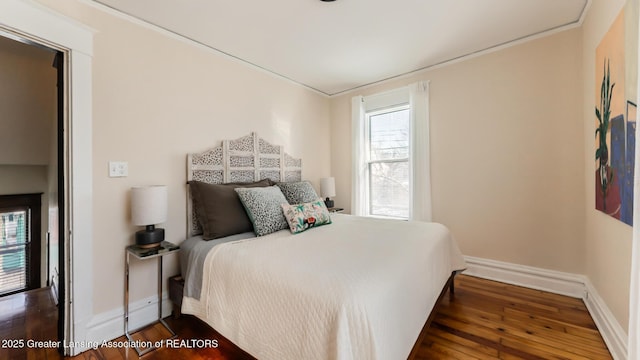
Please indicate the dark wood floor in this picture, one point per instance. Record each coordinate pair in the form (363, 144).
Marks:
(483, 320)
(28, 315)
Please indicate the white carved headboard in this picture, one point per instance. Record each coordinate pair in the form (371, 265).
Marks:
(246, 159)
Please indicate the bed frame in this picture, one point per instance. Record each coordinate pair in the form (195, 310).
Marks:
(246, 159)
(423, 333)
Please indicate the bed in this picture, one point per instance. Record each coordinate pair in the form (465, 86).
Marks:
(357, 288)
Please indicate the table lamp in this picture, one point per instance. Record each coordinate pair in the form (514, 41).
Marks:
(327, 190)
(148, 208)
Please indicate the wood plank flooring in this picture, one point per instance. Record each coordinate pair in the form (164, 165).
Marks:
(491, 320)
(482, 320)
(28, 315)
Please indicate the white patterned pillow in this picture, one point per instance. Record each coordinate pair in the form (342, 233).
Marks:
(298, 192)
(263, 205)
(305, 216)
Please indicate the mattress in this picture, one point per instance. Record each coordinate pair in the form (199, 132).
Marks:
(359, 288)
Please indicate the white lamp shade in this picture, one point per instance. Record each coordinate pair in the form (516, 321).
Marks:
(149, 205)
(327, 187)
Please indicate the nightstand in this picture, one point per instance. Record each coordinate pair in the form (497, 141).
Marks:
(139, 253)
(335, 209)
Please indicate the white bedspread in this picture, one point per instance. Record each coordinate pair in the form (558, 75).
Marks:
(359, 288)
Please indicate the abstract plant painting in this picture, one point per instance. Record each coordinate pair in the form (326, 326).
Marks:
(615, 112)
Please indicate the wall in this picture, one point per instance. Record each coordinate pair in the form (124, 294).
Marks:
(507, 150)
(28, 106)
(22, 179)
(157, 98)
(608, 241)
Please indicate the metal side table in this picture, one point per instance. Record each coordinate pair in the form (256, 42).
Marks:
(139, 253)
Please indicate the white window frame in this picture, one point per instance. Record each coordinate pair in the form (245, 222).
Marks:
(367, 149)
(416, 95)
(363, 108)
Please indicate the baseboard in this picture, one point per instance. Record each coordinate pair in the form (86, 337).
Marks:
(614, 335)
(110, 325)
(557, 282)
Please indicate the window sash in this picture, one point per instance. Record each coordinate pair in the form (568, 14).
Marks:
(405, 159)
(370, 192)
(387, 110)
(367, 131)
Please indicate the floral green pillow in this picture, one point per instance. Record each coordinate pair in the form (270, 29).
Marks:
(305, 216)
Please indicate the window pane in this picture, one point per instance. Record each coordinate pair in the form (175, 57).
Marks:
(389, 135)
(389, 189)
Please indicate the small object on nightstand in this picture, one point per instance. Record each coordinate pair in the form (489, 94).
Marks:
(141, 253)
(335, 209)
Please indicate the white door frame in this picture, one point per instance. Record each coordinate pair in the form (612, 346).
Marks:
(38, 23)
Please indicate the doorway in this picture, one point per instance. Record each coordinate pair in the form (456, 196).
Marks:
(41, 25)
(33, 169)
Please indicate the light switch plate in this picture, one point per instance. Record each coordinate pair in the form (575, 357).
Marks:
(118, 169)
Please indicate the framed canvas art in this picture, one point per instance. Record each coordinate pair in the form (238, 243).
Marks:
(615, 112)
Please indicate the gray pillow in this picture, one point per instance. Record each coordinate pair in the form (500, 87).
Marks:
(264, 207)
(298, 192)
(219, 210)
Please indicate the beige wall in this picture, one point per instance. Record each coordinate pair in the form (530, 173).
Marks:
(506, 148)
(608, 241)
(23, 179)
(157, 98)
(28, 103)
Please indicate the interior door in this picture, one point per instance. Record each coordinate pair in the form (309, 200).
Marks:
(57, 210)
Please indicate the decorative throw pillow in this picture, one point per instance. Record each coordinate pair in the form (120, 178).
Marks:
(298, 192)
(264, 207)
(305, 216)
(219, 210)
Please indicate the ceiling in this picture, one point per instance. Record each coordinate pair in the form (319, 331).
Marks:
(334, 47)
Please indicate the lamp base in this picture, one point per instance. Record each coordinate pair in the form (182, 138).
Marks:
(329, 203)
(150, 237)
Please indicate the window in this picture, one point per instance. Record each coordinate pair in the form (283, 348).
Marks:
(389, 183)
(391, 175)
(13, 243)
(19, 243)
